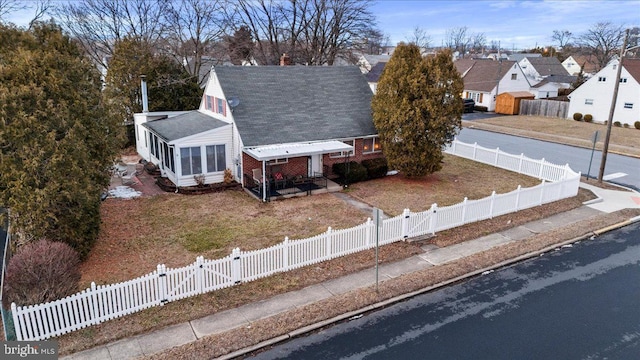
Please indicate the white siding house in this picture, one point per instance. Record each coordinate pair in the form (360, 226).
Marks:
(485, 79)
(595, 95)
(285, 122)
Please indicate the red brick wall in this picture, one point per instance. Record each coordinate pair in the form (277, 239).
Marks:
(358, 156)
(298, 165)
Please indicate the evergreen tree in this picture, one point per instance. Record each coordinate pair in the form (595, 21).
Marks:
(57, 141)
(169, 86)
(417, 109)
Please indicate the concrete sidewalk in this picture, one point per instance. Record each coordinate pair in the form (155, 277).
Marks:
(146, 344)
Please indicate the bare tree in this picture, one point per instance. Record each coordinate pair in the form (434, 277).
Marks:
(191, 27)
(265, 20)
(10, 6)
(602, 41)
(478, 42)
(315, 32)
(99, 24)
(562, 37)
(457, 39)
(40, 7)
(420, 37)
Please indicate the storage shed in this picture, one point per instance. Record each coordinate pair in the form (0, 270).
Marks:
(509, 102)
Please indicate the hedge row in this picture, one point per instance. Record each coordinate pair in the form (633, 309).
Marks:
(352, 171)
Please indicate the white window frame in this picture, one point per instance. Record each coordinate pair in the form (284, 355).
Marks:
(215, 157)
(602, 78)
(341, 154)
(191, 169)
(623, 80)
(514, 76)
(588, 101)
(374, 141)
(278, 161)
(628, 105)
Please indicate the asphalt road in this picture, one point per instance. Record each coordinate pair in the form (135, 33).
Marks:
(577, 158)
(578, 302)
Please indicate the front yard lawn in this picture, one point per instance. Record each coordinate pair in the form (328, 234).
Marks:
(173, 229)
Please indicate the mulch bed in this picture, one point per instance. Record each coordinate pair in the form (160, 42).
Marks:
(168, 186)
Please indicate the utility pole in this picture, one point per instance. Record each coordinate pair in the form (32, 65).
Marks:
(616, 86)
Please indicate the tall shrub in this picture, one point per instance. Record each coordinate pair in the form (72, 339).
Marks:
(42, 271)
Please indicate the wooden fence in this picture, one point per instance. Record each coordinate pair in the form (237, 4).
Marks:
(101, 303)
(548, 108)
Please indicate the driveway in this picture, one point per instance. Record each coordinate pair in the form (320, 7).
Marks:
(479, 115)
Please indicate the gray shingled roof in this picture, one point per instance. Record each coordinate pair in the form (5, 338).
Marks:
(285, 104)
(178, 127)
(376, 71)
(482, 74)
(546, 66)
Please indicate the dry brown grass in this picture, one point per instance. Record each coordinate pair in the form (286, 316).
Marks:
(140, 233)
(565, 131)
(173, 229)
(458, 178)
(281, 324)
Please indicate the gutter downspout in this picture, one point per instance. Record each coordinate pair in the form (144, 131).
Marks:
(264, 183)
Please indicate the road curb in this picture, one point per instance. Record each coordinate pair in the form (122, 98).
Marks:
(385, 303)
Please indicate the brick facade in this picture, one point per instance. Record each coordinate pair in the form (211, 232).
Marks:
(298, 165)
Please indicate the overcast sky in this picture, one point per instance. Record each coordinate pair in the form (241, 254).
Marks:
(516, 24)
(519, 24)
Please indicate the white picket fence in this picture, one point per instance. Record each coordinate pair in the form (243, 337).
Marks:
(101, 303)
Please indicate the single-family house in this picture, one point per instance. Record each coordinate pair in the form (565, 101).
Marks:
(366, 62)
(594, 97)
(373, 76)
(574, 63)
(273, 128)
(538, 68)
(485, 79)
(547, 75)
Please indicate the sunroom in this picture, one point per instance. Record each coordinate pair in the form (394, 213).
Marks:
(190, 149)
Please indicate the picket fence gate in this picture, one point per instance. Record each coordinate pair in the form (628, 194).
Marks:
(100, 303)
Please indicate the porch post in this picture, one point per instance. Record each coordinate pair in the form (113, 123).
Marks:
(264, 183)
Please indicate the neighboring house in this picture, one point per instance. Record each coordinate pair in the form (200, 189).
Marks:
(519, 56)
(373, 76)
(538, 68)
(547, 74)
(595, 95)
(485, 79)
(550, 86)
(574, 62)
(295, 121)
(366, 62)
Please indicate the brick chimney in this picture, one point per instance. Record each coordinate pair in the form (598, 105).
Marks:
(285, 60)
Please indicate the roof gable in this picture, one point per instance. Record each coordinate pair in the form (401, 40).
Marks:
(546, 66)
(482, 75)
(285, 104)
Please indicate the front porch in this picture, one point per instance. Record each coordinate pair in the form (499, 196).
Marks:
(290, 186)
(286, 170)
